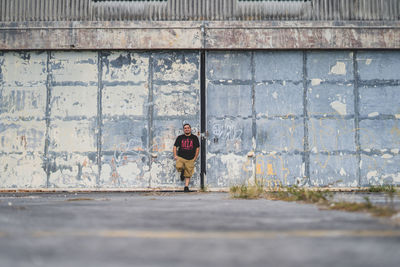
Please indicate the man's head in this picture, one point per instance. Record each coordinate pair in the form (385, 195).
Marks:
(187, 129)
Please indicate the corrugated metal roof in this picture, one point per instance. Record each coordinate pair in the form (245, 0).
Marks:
(159, 10)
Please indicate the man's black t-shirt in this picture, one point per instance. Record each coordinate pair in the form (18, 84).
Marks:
(187, 146)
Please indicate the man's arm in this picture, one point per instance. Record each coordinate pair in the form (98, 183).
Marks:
(175, 157)
(197, 153)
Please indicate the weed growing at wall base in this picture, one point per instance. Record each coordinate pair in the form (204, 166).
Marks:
(380, 211)
(205, 189)
(247, 191)
(381, 188)
(323, 198)
(300, 195)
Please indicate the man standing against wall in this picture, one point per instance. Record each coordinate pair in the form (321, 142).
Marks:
(186, 151)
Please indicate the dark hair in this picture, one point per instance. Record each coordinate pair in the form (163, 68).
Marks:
(186, 124)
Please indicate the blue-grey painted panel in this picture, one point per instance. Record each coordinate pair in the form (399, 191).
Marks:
(125, 100)
(279, 135)
(73, 110)
(24, 69)
(231, 100)
(22, 119)
(230, 65)
(74, 85)
(22, 124)
(182, 66)
(227, 170)
(378, 65)
(279, 169)
(331, 99)
(74, 101)
(379, 100)
(380, 135)
(124, 135)
(23, 96)
(279, 99)
(229, 135)
(1, 66)
(380, 169)
(125, 155)
(330, 65)
(125, 87)
(22, 136)
(333, 170)
(329, 135)
(74, 67)
(73, 107)
(176, 100)
(124, 67)
(125, 169)
(21, 171)
(72, 153)
(25, 102)
(278, 65)
(72, 170)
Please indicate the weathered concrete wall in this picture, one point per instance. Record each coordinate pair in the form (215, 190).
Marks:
(221, 35)
(108, 119)
(94, 119)
(315, 117)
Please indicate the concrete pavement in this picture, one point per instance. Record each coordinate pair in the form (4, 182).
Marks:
(177, 229)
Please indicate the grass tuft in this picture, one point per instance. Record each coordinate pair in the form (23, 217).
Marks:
(204, 189)
(323, 198)
(300, 194)
(367, 206)
(247, 191)
(381, 188)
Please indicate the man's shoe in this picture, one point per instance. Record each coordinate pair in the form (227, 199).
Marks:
(182, 177)
(186, 189)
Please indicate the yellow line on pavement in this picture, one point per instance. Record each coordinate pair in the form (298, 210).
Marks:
(218, 234)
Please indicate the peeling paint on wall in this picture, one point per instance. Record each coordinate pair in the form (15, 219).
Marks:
(327, 81)
(22, 170)
(22, 119)
(108, 119)
(339, 107)
(74, 101)
(338, 69)
(22, 136)
(146, 98)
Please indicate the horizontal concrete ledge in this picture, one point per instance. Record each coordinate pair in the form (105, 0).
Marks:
(97, 190)
(158, 190)
(224, 35)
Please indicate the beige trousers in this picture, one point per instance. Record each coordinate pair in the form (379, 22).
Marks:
(185, 165)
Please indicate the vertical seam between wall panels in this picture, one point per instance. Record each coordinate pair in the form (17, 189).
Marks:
(357, 116)
(47, 117)
(99, 112)
(253, 113)
(203, 108)
(306, 152)
(203, 117)
(150, 114)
